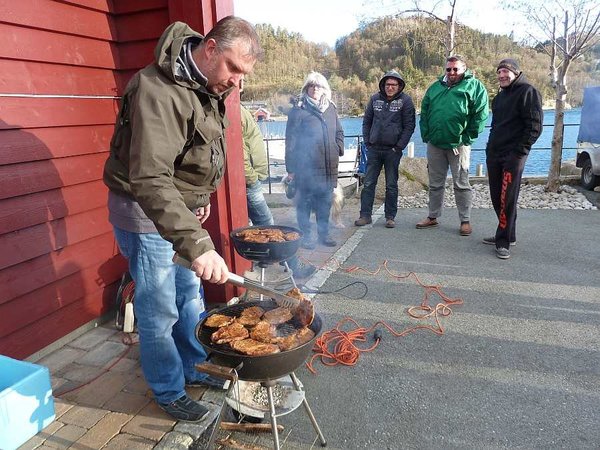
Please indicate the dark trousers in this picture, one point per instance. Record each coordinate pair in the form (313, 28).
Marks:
(317, 197)
(390, 161)
(504, 174)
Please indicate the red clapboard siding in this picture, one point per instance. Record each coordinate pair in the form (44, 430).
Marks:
(142, 25)
(36, 273)
(46, 78)
(47, 300)
(135, 55)
(36, 45)
(133, 6)
(21, 179)
(59, 17)
(31, 242)
(123, 78)
(25, 112)
(40, 334)
(27, 210)
(36, 144)
(100, 5)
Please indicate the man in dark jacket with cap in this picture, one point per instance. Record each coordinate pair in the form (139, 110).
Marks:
(516, 124)
(388, 124)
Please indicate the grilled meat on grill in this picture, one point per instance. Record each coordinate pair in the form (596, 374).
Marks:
(218, 321)
(251, 316)
(278, 315)
(305, 312)
(264, 235)
(263, 332)
(294, 339)
(230, 333)
(254, 348)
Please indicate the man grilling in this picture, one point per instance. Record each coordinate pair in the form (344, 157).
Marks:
(167, 156)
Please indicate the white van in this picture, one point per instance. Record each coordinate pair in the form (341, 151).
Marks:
(588, 140)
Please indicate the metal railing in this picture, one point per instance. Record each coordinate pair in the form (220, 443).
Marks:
(358, 137)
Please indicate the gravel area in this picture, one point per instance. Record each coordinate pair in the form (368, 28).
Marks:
(532, 196)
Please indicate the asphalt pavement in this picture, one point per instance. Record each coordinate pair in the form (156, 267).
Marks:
(518, 366)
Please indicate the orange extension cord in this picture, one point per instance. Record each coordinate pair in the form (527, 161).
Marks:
(337, 346)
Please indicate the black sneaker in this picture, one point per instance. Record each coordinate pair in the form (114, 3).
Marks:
(502, 253)
(327, 241)
(308, 243)
(492, 241)
(207, 381)
(185, 409)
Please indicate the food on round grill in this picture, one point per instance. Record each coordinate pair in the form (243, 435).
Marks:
(263, 332)
(278, 315)
(264, 235)
(254, 348)
(251, 316)
(230, 333)
(218, 321)
(305, 311)
(295, 339)
(295, 293)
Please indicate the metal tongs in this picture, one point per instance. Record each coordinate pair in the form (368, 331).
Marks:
(303, 310)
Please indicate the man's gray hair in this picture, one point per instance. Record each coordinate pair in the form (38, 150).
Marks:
(456, 58)
(229, 30)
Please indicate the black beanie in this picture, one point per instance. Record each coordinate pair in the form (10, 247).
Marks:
(509, 64)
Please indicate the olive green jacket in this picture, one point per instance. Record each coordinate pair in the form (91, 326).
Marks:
(255, 155)
(168, 148)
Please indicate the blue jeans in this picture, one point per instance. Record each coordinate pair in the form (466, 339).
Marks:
(258, 210)
(167, 307)
(376, 159)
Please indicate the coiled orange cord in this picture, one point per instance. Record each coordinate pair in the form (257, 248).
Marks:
(337, 346)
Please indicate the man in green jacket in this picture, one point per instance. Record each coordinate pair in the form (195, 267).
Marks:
(453, 113)
(256, 170)
(167, 156)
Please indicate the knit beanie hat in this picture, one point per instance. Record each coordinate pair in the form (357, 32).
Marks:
(509, 64)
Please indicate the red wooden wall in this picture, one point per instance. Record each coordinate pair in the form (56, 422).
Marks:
(63, 65)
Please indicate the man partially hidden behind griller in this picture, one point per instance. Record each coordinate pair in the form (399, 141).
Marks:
(517, 119)
(167, 156)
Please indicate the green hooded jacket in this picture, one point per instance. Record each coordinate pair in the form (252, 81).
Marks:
(255, 155)
(168, 149)
(454, 115)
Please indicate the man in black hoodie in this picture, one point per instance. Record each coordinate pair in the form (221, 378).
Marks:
(388, 124)
(516, 124)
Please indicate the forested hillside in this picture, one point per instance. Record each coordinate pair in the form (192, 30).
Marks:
(413, 46)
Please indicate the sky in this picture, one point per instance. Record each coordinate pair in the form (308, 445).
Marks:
(327, 20)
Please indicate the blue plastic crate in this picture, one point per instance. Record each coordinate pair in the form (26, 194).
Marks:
(26, 403)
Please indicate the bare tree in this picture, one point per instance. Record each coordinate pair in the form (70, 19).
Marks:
(414, 7)
(580, 31)
(450, 22)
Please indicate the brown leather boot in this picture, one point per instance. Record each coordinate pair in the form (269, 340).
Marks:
(362, 221)
(427, 223)
(465, 229)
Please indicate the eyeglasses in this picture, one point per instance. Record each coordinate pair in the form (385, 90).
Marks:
(391, 85)
(452, 69)
(315, 86)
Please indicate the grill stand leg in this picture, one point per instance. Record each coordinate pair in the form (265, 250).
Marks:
(269, 387)
(287, 269)
(308, 411)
